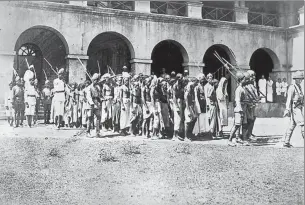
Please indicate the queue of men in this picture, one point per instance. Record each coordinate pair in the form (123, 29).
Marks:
(173, 106)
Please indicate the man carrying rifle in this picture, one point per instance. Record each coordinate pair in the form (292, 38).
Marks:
(294, 107)
(59, 98)
(93, 97)
(18, 100)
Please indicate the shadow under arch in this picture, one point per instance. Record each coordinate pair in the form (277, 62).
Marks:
(168, 54)
(112, 49)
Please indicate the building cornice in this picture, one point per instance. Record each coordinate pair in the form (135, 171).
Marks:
(96, 11)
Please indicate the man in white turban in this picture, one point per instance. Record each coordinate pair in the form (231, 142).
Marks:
(59, 98)
(28, 75)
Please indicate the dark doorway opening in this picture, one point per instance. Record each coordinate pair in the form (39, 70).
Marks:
(108, 50)
(262, 63)
(215, 67)
(168, 55)
(38, 43)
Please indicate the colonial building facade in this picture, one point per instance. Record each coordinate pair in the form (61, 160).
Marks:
(267, 37)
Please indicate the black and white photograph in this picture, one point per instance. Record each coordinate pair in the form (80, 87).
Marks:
(152, 102)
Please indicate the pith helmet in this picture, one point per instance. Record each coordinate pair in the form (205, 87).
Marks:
(239, 76)
(298, 75)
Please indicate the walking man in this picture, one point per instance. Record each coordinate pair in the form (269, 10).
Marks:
(294, 107)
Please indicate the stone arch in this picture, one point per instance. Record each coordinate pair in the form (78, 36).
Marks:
(52, 46)
(263, 61)
(214, 66)
(112, 49)
(168, 54)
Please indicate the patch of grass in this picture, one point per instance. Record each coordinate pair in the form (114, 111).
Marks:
(131, 149)
(54, 153)
(183, 149)
(106, 156)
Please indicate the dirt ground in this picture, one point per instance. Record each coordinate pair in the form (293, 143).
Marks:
(45, 166)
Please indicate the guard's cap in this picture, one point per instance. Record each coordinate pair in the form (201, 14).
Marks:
(210, 75)
(31, 67)
(95, 76)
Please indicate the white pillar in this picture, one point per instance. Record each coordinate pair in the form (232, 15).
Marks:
(141, 66)
(241, 15)
(142, 6)
(301, 13)
(194, 10)
(74, 69)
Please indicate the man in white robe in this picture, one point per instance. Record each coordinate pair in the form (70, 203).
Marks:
(278, 90)
(28, 75)
(284, 89)
(59, 98)
(270, 90)
(262, 85)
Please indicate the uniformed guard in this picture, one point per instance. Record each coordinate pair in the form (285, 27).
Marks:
(93, 97)
(75, 104)
(9, 105)
(294, 107)
(59, 98)
(47, 101)
(18, 101)
(239, 108)
(30, 99)
(22, 112)
(252, 91)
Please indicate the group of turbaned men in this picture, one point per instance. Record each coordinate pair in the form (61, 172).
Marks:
(172, 106)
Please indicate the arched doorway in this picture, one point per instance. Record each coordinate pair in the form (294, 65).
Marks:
(215, 67)
(263, 61)
(109, 49)
(170, 55)
(37, 43)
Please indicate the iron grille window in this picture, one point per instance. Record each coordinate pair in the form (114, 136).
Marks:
(169, 8)
(263, 19)
(29, 50)
(120, 5)
(220, 14)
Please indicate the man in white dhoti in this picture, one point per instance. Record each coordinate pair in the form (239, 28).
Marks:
(125, 106)
(202, 124)
(278, 90)
(30, 96)
(28, 75)
(223, 102)
(284, 90)
(262, 86)
(59, 98)
(270, 90)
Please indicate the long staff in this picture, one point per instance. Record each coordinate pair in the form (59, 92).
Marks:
(85, 70)
(99, 68)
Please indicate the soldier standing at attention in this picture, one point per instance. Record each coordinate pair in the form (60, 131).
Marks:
(30, 99)
(294, 107)
(47, 101)
(239, 109)
(22, 84)
(9, 106)
(18, 100)
(59, 98)
(38, 98)
(93, 97)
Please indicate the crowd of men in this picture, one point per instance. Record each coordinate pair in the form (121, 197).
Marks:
(174, 106)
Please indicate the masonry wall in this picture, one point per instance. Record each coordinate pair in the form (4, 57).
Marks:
(78, 25)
